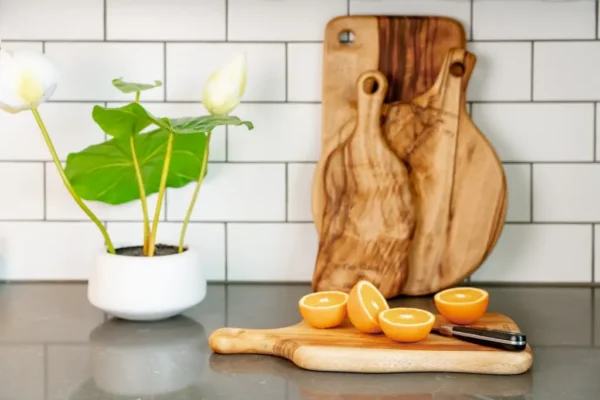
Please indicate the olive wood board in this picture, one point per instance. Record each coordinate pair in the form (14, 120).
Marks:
(407, 193)
(345, 349)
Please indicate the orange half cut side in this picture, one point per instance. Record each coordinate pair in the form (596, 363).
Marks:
(364, 305)
(324, 309)
(462, 305)
(406, 324)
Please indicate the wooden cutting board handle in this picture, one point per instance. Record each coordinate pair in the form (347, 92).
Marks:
(241, 341)
(369, 215)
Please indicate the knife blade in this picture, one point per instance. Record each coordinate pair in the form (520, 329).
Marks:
(505, 340)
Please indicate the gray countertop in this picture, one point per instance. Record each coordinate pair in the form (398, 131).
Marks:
(54, 345)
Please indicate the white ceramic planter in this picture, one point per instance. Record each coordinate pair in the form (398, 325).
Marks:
(146, 288)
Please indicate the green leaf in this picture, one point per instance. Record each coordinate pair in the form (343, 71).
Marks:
(105, 172)
(126, 121)
(131, 87)
(204, 124)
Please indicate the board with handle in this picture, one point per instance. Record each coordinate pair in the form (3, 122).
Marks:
(416, 202)
(345, 349)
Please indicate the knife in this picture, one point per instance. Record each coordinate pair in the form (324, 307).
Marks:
(505, 340)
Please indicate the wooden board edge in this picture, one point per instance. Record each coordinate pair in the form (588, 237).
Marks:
(321, 358)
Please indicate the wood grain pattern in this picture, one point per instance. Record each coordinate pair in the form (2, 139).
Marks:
(409, 51)
(456, 181)
(369, 214)
(344, 349)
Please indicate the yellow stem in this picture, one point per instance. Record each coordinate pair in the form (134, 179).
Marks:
(68, 185)
(140, 180)
(161, 194)
(188, 215)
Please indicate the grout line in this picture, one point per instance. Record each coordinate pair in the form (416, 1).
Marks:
(104, 20)
(471, 21)
(226, 20)
(251, 42)
(226, 147)
(301, 162)
(532, 69)
(347, 7)
(45, 191)
(269, 102)
(596, 15)
(531, 192)
(286, 66)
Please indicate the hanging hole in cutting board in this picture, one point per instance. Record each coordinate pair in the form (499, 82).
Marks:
(370, 85)
(457, 69)
(346, 38)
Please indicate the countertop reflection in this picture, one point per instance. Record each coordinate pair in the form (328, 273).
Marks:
(55, 346)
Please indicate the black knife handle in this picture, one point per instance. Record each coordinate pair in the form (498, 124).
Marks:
(514, 341)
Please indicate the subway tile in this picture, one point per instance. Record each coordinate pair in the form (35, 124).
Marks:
(271, 252)
(566, 192)
(300, 180)
(305, 68)
(22, 191)
(15, 46)
(562, 71)
(22, 372)
(87, 69)
(70, 126)
(179, 110)
(532, 307)
(282, 132)
(233, 192)
(458, 10)
(207, 239)
(55, 313)
(190, 64)
(502, 71)
(540, 253)
(518, 178)
(288, 20)
(61, 206)
(47, 250)
(160, 20)
(533, 19)
(55, 20)
(538, 132)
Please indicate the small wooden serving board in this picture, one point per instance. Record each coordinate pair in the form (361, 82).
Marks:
(345, 349)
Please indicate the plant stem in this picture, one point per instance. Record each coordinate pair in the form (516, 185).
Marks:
(161, 193)
(195, 194)
(67, 184)
(140, 181)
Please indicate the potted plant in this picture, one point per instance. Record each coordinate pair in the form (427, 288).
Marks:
(145, 154)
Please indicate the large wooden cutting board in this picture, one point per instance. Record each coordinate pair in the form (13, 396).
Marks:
(458, 187)
(345, 349)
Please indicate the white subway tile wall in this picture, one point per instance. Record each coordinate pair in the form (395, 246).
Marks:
(533, 93)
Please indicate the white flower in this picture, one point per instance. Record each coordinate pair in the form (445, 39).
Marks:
(225, 86)
(27, 78)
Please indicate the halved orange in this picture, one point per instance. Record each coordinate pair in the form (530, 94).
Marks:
(462, 305)
(364, 305)
(324, 309)
(406, 324)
